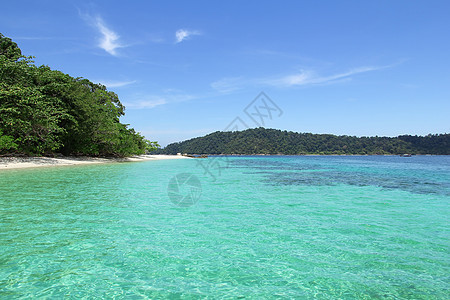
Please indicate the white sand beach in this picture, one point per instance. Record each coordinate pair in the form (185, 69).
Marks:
(7, 163)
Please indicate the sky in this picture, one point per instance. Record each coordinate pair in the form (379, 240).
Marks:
(188, 68)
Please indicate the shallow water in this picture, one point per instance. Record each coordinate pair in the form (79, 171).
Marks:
(265, 227)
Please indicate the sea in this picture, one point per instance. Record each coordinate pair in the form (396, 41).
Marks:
(241, 227)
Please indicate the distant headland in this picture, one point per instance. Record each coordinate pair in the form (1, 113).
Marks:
(260, 141)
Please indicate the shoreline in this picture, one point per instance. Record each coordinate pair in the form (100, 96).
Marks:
(214, 155)
(14, 163)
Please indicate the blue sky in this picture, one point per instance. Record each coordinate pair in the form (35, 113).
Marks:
(187, 68)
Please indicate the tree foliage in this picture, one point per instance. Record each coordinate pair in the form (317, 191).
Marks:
(45, 111)
(272, 141)
(9, 49)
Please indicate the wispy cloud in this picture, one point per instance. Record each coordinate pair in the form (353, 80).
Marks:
(302, 78)
(38, 38)
(184, 34)
(228, 85)
(305, 77)
(142, 104)
(108, 40)
(151, 101)
(115, 84)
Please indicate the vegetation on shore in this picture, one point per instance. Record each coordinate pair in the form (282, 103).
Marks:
(272, 141)
(44, 111)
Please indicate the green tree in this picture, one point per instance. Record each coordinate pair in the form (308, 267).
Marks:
(30, 119)
(45, 111)
(7, 143)
(151, 146)
(9, 49)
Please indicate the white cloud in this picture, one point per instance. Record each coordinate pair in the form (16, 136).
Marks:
(303, 78)
(109, 40)
(36, 38)
(311, 78)
(142, 104)
(114, 84)
(228, 85)
(183, 34)
(152, 101)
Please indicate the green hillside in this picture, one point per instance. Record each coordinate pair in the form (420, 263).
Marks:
(273, 141)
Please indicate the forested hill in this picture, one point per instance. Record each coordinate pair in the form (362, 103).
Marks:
(44, 111)
(272, 141)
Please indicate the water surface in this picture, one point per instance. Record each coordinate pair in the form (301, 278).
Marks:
(265, 227)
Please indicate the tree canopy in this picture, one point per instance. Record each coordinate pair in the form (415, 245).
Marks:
(44, 111)
(273, 141)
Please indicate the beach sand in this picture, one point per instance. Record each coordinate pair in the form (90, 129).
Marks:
(7, 163)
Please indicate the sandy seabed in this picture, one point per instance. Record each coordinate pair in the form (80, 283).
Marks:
(34, 162)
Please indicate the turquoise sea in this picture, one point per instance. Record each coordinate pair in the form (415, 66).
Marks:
(284, 227)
